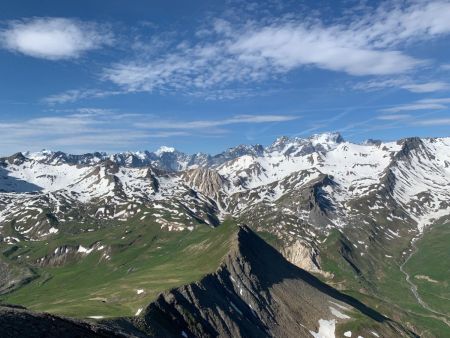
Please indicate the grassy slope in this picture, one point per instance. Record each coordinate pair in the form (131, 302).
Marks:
(430, 268)
(392, 295)
(431, 259)
(147, 258)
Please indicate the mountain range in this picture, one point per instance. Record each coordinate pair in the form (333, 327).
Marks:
(359, 217)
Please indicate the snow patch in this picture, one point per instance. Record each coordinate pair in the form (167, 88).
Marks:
(82, 249)
(338, 314)
(326, 329)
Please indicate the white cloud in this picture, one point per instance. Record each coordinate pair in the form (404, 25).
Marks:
(87, 129)
(293, 45)
(204, 124)
(427, 107)
(427, 87)
(404, 83)
(381, 84)
(393, 117)
(445, 66)
(441, 100)
(54, 38)
(251, 52)
(75, 95)
(93, 129)
(415, 106)
(434, 122)
(259, 54)
(395, 22)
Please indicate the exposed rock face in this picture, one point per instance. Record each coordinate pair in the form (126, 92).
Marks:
(66, 253)
(13, 277)
(256, 293)
(207, 181)
(232, 153)
(303, 256)
(320, 206)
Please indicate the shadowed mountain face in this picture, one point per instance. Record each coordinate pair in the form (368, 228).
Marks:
(257, 293)
(11, 184)
(254, 293)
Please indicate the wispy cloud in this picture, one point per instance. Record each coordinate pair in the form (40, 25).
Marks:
(395, 22)
(394, 117)
(441, 100)
(90, 129)
(415, 106)
(97, 129)
(428, 87)
(404, 83)
(203, 124)
(433, 122)
(225, 55)
(54, 38)
(75, 95)
(251, 52)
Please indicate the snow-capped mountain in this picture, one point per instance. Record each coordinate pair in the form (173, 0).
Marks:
(298, 189)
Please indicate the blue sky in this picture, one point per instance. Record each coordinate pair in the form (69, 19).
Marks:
(112, 75)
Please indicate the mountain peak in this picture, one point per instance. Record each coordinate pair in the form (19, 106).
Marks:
(39, 155)
(372, 142)
(164, 149)
(301, 146)
(327, 138)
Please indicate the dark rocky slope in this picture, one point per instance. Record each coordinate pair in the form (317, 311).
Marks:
(18, 322)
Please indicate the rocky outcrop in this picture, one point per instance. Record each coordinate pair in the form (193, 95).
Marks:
(206, 181)
(17, 158)
(320, 205)
(304, 256)
(69, 253)
(14, 276)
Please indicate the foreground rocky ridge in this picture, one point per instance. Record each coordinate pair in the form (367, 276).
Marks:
(257, 293)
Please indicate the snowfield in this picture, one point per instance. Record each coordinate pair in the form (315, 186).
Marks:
(411, 175)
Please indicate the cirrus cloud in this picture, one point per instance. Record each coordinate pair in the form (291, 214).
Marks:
(91, 129)
(205, 124)
(371, 45)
